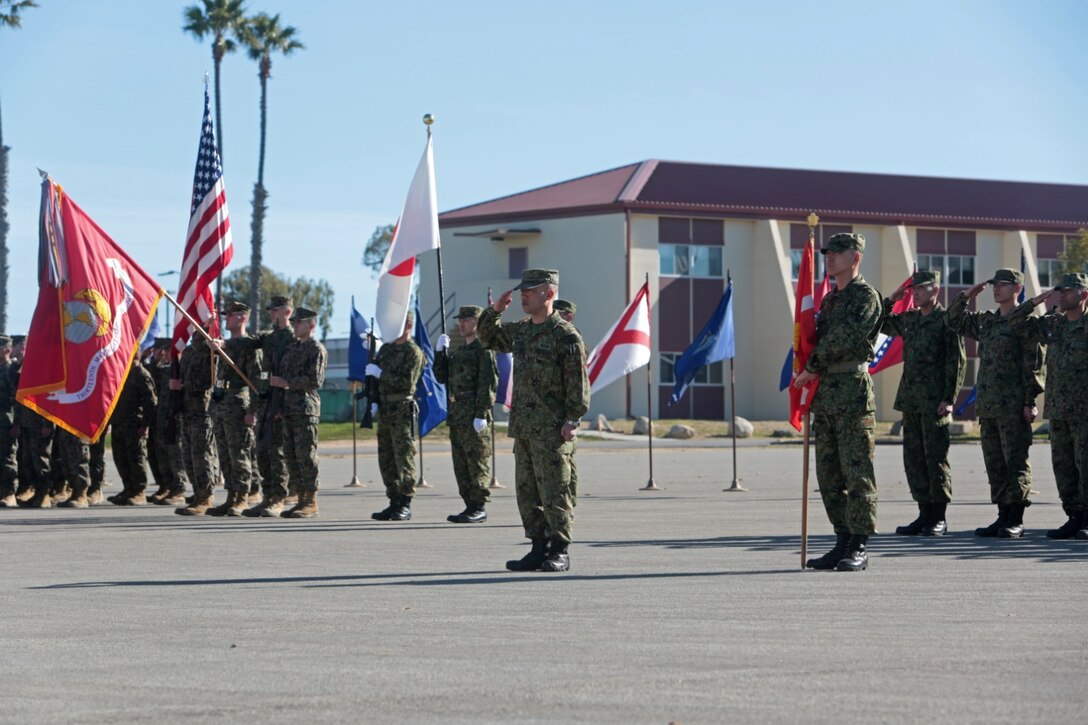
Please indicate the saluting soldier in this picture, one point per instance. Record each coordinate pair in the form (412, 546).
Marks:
(302, 373)
(1010, 378)
(397, 368)
(234, 412)
(844, 407)
(8, 447)
(133, 415)
(167, 433)
(471, 378)
(198, 441)
(934, 363)
(1065, 333)
(551, 394)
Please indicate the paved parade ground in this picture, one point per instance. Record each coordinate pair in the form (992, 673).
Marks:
(685, 605)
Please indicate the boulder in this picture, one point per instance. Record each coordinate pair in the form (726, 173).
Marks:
(745, 429)
(683, 432)
(642, 426)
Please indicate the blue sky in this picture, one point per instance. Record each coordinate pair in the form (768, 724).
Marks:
(107, 97)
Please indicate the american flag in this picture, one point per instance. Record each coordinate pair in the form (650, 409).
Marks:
(208, 248)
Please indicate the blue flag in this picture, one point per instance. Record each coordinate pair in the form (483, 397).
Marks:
(970, 399)
(152, 332)
(358, 346)
(786, 376)
(430, 394)
(715, 343)
(1023, 289)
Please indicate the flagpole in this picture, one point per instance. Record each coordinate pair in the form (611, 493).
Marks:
(197, 326)
(650, 485)
(355, 483)
(428, 120)
(735, 487)
(812, 220)
(422, 482)
(494, 478)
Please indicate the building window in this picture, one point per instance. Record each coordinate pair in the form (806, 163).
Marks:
(713, 374)
(956, 270)
(690, 260)
(1049, 272)
(518, 261)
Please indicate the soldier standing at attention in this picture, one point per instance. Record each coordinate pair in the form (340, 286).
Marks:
(551, 394)
(302, 373)
(168, 435)
(133, 415)
(35, 448)
(1010, 377)
(197, 440)
(234, 412)
(397, 368)
(934, 364)
(471, 378)
(8, 470)
(567, 310)
(1065, 333)
(72, 461)
(844, 408)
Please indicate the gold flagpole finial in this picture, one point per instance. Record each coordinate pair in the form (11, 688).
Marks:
(812, 220)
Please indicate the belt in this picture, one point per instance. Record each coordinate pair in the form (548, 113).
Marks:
(395, 398)
(848, 366)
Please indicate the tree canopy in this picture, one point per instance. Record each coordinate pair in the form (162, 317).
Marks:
(1074, 257)
(316, 294)
(377, 246)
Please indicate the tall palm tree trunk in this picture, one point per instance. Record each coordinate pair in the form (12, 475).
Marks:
(259, 209)
(3, 231)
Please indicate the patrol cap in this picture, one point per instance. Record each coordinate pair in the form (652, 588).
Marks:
(535, 277)
(1005, 274)
(5, 341)
(234, 307)
(278, 301)
(927, 276)
(409, 317)
(565, 306)
(302, 313)
(16, 339)
(843, 243)
(469, 311)
(162, 343)
(1074, 280)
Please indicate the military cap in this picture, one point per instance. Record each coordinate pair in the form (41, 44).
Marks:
(1074, 279)
(925, 276)
(1012, 276)
(469, 311)
(409, 317)
(535, 277)
(161, 343)
(844, 242)
(303, 314)
(5, 341)
(278, 301)
(16, 339)
(233, 307)
(565, 306)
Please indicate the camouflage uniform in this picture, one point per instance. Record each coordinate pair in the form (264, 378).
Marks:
(35, 449)
(1010, 377)
(167, 433)
(135, 410)
(158, 374)
(231, 402)
(8, 446)
(471, 378)
(71, 463)
(271, 460)
(934, 364)
(844, 408)
(550, 389)
(303, 366)
(1066, 401)
(198, 443)
(401, 364)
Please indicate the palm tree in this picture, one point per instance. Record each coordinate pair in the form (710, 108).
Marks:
(9, 18)
(263, 36)
(219, 19)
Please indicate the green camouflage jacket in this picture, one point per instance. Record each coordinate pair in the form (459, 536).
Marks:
(934, 361)
(236, 395)
(846, 329)
(7, 395)
(136, 403)
(1066, 359)
(401, 364)
(196, 375)
(1010, 372)
(271, 344)
(471, 378)
(303, 366)
(550, 385)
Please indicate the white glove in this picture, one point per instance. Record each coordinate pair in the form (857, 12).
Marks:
(373, 371)
(373, 408)
(443, 342)
(479, 424)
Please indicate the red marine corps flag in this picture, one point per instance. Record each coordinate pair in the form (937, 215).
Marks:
(94, 307)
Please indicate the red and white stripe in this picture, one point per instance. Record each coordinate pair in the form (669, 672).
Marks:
(208, 251)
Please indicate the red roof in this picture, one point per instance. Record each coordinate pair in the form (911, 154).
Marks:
(670, 187)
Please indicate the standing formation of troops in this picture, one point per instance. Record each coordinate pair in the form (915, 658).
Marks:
(243, 412)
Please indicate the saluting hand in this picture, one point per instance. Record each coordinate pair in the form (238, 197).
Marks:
(974, 291)
(1041, 298)
(900, 291)
(503, 302)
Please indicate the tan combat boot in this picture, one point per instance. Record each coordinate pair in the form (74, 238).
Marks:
(240, 503)
(62, 494)
(94, 496)
(223, 508)
(198, 507)
(8, 502)
(25, 495)
(273, 508)
(256, 510)
(159, 494)
(306, 508)
(136, 498)
(43, 501)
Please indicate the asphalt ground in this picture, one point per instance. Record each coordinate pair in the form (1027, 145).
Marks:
(684, 605)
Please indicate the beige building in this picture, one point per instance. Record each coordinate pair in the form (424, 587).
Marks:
(685, 226)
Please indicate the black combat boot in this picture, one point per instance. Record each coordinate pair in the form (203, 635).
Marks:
(532, 560)
(557, 558)
(456, 518)
(936, 525)
(474, 514)
(1014, 522)
(828, 561)
(857, 558)
(386, 512)
(1070, 528)
(403, 509)
(915, 527)
(991, 530)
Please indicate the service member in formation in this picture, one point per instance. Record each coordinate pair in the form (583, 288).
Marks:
(8, 470)
(234, 412)
(551, 394)
(567, 310)
(167, 433)
(72, 459)
(1010, 378)
(302, 373)
(471, 378)
(934, 363)
(1065, 333)
(397, 368)
(132, 418)
(35, 449)
(844, 408)
(197, 439)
